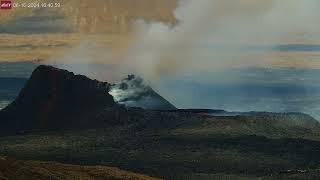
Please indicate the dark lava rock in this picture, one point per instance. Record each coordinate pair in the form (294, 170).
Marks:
(56, 99)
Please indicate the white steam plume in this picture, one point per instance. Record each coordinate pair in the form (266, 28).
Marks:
(215, 34)
(210, 35)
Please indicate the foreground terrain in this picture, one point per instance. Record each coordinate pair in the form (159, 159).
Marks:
(166, 153)
(16, 169)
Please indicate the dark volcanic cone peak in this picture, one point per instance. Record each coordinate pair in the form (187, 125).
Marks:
(55, 98)
(134, 92)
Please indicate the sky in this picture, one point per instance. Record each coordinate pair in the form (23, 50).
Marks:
(218, 33)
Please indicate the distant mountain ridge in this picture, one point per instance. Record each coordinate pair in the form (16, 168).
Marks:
(53, 98)
(58, 99)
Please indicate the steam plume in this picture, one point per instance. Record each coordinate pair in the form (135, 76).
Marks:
(216, 33)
